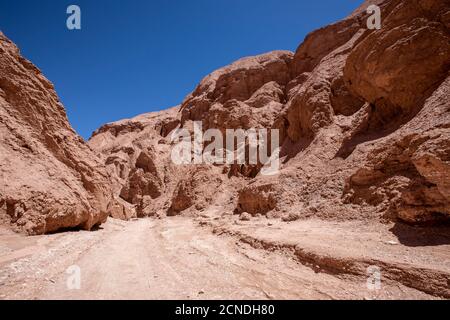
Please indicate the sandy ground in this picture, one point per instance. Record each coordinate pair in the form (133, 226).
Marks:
(182, 258)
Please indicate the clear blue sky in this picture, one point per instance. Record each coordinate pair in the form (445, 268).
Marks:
(137, 56)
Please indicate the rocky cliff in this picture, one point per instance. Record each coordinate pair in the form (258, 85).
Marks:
(50, 179)
(363, 116)
(364, 120)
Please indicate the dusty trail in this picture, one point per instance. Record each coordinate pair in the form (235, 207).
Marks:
(165, 259)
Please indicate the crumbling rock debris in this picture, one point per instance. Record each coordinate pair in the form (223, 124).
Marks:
(256, 199)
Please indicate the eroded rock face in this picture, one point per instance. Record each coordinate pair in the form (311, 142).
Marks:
(397, 67)
(136, 153)
(257, 199)
(238, 81)
(363, 118)
(408, 173)
(143, 180)
(246, 94)
(402, 72)
(197, 188)
(50, 179)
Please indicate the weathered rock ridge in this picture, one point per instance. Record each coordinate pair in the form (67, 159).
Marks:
(364, 121)
(50, 179)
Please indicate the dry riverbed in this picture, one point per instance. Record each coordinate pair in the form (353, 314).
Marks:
(182, 258)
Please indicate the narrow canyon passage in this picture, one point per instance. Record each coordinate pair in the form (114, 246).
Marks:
(318, 172)
(173, 258)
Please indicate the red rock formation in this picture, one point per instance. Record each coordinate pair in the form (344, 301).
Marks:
(363, 115)
(136, 153)
(364, 120)
(50, 179)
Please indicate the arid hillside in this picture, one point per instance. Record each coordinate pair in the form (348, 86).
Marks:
(363, 117)
(50, 179)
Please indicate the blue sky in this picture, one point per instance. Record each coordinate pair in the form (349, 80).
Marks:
(136, 56)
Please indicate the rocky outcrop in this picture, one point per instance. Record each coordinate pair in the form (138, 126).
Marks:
(256, 199)
(402, 71)
(50, 179)
(197, 189)
(143, 173)
(247, 94)
(244, 82)
(407, 173)
(363, 118)
(136, 153)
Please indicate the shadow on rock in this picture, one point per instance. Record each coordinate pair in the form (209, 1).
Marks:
(414, 236)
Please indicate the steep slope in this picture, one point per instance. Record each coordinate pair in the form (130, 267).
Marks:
(50, 179)
(363, 117)
(136, 155)
(138, 151)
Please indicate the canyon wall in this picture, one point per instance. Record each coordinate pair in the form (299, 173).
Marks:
(50, 179)
(363, 116)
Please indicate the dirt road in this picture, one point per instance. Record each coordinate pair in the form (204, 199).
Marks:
(166, 259)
